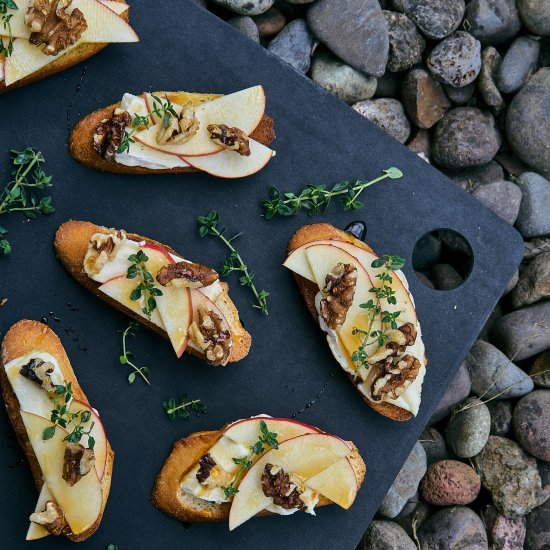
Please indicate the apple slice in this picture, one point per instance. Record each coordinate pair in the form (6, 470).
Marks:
(246, 431)
(37, 531)
(82, 502)
(118, 7)
(176, 311)
(201, 300)
(305, 456)
(337, 483)
(243, 110)
(230, 165)
(119, 265)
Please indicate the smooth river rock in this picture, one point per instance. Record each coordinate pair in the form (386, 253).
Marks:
(294, 45)
(535, 15)
(246, 7)
(532, 423)
(492, 22)
(502, 197)
(534, 282)
(456, 392)
(518, 64)
(386, 535)
(406, 43)
(533, 219)
(388, 114)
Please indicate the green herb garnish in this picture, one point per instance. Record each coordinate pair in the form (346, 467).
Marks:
(317, 198)
(124, 359)
(61, 416)
(146, 289)
(182, 408)
(208, 226)
(6, 5)
(266, 438)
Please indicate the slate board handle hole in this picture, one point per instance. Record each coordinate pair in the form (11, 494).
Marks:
(442, 259)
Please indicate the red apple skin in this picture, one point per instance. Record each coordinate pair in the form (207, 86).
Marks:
(197, 296)
(160, 249)
(314, 428)
(189, 160)
(180, 351)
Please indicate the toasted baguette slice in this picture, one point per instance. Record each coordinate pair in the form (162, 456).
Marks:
(71, 244)
(22, 338)
(308, 289)
(77, 55)
(168, 497)
(81, 138)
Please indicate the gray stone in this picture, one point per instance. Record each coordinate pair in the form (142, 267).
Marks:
(246, 7)
(406, 483)
(436, 18)
(534, 282)
(294, 45)
(343, 81)
(409, 506)
(470, 179)
(501, 416)
(457, 391)
(406, 43)
(490, 62)
(502, 197)
(492, 22)
(511, 283)
(456, 60)
(468, 428)
(525, 332)
(446, 277)
(245, 25)
(511, 476)
(387, 114)
(535, 15)
(532, 423)
(496, 314)
(414, 520)
(464, 137)
(535, 247)
(505, 533)
(355, 30)
(518, 64)
(270, 23)
(389, 85)
(540, 370)
(434, 445)
(426, 252)
(460, 96)
(423, 98)
(456, 527)
(386, 535)
(534, 212)
(528, 122)
(493, 375)
(538, 528)
(421, 144)
(544, 472)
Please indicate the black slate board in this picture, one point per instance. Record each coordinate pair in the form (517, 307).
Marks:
(319, 140)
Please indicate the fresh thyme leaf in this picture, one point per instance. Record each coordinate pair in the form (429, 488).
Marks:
(124, 359)
(208, 225)
(146, 289)
(183, 408)
(317, 198)
(5, 18)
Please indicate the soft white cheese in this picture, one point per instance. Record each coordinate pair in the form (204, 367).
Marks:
(31, 396)
(134, 105)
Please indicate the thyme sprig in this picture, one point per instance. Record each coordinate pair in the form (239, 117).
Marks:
(183, 408)
(317, 198)
(6, 5)
(208, 225)
(164, 110)
(266, 438)
(18, 194)
(146, 290)
(61, 416)
(125, 358)
(374, 307)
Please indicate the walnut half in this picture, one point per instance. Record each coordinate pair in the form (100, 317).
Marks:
(102, 247)
(186, 274)
(52, 26)
(340, 287)
(78, 461)
(276, 483)
(109, 134)
(180, 129)
(233, 139)
(394, 376)
(209, 336)
(52, 518)
(39, 371)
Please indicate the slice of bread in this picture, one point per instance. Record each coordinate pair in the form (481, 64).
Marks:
(168, 497)
(308, 289)
(71, 244)
(82, 149)
(22, 338)
(74, 57)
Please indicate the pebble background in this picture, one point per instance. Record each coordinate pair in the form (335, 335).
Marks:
(466, 86)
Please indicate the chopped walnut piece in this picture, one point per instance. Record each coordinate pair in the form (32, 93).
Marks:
(394, 376)
(109, 134)
(230, 138)
(78, 461)
(180, 129)
(51, 25)
(340, 287)
(186, 274)
(397, 342)
(51, 518)
(210, 474)
(206, 463)
(276, 483)
(102, 247)
(39, 371)
(209, 336)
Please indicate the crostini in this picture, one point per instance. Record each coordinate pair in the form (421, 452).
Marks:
(59, 431)
(257, 466)
(181, 300)
(171, 132)
(43, 37)
(363, 304)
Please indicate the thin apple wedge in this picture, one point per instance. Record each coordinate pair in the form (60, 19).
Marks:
(118, 7)
(37, 531)
(337, 483)
(176, 311)
(82, 502)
